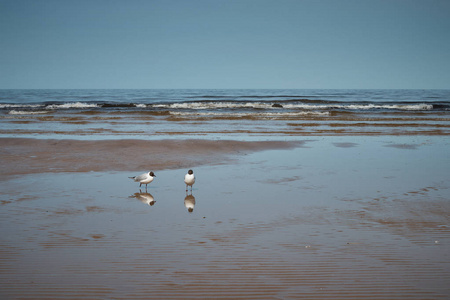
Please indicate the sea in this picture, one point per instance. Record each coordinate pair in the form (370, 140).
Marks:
(221, 113)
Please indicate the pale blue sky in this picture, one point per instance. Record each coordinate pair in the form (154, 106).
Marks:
(225, 44)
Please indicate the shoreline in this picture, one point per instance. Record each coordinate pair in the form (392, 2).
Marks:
(20, 156)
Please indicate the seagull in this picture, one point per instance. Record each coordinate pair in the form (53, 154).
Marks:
(189, 179)
(145, 178)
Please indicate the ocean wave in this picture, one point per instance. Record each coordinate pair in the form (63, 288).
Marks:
(290, 105)
(78, 105)
(267, 114)
(192, 105)
(7, 106)
(122, 105)
(236, 106)
(408, 107)
(27, 112)
(217, 105)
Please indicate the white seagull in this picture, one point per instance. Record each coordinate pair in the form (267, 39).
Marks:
(189, 179)
(145, 178)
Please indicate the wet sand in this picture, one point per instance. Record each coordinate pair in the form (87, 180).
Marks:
(24, 156)
(323, 218)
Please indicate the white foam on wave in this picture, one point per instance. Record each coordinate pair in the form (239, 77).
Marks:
(141, 105)
(417, 107)
(21, 112)
(262, 115)
(409, 107)
(214, 105)
(392, 106)
(20, 105)
(71, 105)
(303, 106)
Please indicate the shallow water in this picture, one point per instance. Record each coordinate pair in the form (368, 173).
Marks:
(338, 218)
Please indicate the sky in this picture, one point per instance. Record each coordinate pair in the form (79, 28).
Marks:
(189, 44)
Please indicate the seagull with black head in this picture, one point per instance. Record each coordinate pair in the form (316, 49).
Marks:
(145, 178)
(189, 179)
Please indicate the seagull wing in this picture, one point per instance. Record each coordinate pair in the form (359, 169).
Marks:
(141, 177)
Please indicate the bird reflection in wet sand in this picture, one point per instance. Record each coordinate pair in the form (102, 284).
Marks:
(189, 202)
(146, 198)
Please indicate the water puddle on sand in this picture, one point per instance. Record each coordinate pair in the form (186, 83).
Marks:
(349, 219)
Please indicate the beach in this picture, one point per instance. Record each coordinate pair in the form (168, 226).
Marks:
(241, 150)
(314, 217)
(299, 194)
